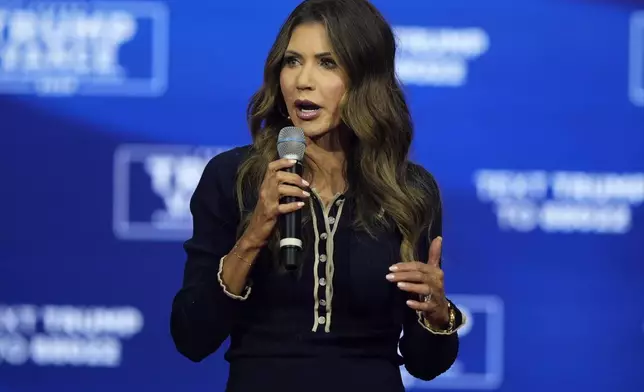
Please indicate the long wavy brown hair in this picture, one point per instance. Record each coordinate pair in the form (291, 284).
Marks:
(378, 170)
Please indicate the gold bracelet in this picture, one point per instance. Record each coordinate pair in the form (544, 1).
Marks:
(450, 327)
(234, 252)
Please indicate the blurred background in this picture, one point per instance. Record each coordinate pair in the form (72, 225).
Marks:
(529, 113)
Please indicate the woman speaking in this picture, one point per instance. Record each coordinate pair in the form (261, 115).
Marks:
(370, 266)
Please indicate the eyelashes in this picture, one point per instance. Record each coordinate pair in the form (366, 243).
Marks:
(289, 61)
(325, 62)
(328, 63)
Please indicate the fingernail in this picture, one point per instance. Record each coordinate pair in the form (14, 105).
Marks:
(393, 268)
(292, 161)
(305, 193)
(305, 183)
(390, 277)
(300, 203)
(402, 284)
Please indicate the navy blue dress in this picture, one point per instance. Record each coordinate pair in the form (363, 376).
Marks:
(333, 326)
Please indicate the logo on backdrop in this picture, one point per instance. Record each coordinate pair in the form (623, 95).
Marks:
(561, 202)
(438, 56)
(83, 48)
(636, 60)
(153, 185)
(60, 335)
(480, 360)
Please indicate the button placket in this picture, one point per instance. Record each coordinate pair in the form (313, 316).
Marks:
(322, 281)
(323, 266)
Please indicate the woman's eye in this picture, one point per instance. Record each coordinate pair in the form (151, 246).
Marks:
(290, 61)
(328, 63)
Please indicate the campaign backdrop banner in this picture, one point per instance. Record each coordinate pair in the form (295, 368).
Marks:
(529, 113)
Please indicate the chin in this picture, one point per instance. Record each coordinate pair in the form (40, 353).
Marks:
(313, 129)
(315, 133)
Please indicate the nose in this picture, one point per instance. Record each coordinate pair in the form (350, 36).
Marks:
(305, 78)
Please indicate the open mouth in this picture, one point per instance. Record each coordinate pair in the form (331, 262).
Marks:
(307, 110)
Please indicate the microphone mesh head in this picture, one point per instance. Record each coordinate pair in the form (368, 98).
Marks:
(291, 143)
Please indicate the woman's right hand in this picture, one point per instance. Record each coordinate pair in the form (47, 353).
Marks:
(276, 184)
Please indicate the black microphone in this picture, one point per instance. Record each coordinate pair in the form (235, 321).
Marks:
(291, 145)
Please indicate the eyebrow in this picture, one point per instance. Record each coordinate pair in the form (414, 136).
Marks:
(317, 55)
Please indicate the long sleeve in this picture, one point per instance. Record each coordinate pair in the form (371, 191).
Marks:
(202, 311)
(427, 354)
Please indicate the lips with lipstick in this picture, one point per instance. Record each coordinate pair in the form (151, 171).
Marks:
(307, 110)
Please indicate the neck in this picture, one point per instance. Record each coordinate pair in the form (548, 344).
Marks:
(326, 157)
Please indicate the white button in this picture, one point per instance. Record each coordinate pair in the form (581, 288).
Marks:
(323, 258)
(331, 220)
(339, 202)
(321, 320)
(323, 236)
(322, 302)
(322, 282)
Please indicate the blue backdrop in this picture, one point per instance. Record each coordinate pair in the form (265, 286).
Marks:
(529, 113)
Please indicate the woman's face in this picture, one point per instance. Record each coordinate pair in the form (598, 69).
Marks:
(311, 81)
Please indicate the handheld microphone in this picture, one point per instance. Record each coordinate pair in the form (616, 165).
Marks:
(291, 145)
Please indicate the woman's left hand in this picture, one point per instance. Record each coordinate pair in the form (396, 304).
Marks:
(425, 279)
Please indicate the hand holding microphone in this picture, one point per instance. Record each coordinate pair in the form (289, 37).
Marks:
(291, 144)
(281, 195)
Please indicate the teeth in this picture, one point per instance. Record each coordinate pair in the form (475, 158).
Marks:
(308, 110)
